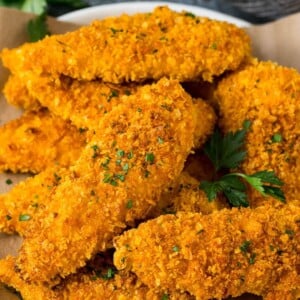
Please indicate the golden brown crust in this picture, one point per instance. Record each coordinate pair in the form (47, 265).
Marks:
(228, 252)
(28, 198)
(84, 286)
(16, 93)
(38, 140)
(134, 48)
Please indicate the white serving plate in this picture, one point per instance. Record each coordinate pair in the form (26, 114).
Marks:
(86, 15)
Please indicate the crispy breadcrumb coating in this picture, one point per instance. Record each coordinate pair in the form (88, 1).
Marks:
(28, 199)
(206, 120)
(84, 286)
(85, 102)
(269, 96)
(184, 195)
(82, 102)
(226, 253)
(16, 93)
(118, 178)
(37, 140)
(153, 45)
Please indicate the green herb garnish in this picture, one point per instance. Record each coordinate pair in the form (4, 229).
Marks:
(129, 204)
(150, 158)
(165, 297)
(227, 152)
(175, 248)
(37, 27)
(110, 274)
(276, 138)
(24, 217)
(245, 246)
(160, 140)
(8, 181)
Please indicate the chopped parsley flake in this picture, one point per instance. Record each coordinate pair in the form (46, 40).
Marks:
(130, 155)
(82, 130)
(105, 163)
(147, 174)
(214, 46)
(150, 157)
(165, 297)
(125, 167)
(175, 249)
(160, 140)
(276, 138)
(166, 107)
(252, 258)
(9, 181)
(113, 94)
(114, 31)
(24, 217)
(57, 177)
(189, 14)
(120, 153)
(8, 217)
(245, 246)
(110, 274)
(129, 204)
(110, 179)
(121, 177)
(289, 232)
(96, 149)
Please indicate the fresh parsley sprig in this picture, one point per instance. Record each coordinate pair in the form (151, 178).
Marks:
(227, 152)
(37, 27)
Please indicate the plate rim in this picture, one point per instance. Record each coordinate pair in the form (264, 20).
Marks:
(86, 15)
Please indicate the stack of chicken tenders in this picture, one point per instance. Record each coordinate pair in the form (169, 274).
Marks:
(110, 131)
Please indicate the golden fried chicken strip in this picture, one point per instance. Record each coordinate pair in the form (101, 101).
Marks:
(84, 286)
(27, 199)
(134, 48)
(226, 253)
(82, 102)
(16, 93)
(184, 195)
(269, 96)
(139, 149)
(37, 140)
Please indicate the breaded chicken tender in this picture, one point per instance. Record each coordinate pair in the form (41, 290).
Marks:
(38, 140)
(269, 96)
(85, 102)
(82, 102)
(185, 195)
(226, 253)
(153, 45)
(84, 286)
(16, 93)
(139, 149)
(27, 199)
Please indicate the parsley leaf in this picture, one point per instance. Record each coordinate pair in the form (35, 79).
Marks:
(71, 3)
(32, 6)
(226, 152)
(37, 28)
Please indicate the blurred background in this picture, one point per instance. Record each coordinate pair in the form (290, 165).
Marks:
(256, 11)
